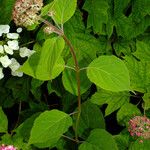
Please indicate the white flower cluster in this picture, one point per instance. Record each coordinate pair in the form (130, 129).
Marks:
(9, 44)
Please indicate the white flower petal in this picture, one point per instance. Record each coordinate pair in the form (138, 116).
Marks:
(17, 73)
(25, 52)
(12, 36)
(14, 65)
(1, 73)
(5, 61)
(19, 30)
(13, 44)
(1, 49)
(8, 50)
(4, 29)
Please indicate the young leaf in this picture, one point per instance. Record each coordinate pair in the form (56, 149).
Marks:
(63, 10)
(99, 139)
(49, 127)
(109, 73)
(46, 64)
(3, 121)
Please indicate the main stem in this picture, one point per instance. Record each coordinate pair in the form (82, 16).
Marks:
(77, 69)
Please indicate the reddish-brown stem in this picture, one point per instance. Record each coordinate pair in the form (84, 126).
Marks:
(77, 69)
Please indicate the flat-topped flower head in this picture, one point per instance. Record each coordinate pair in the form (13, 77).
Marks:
(139, 126)
(25, 12)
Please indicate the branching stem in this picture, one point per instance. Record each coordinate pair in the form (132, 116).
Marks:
(77, 69)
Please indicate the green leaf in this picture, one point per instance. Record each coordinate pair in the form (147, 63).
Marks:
(36, 88)
(49, 127)
(20, 88)
(137, 145)
(6, 8)
(63, 10)
(97, 14)
(98, 140)
(126, 112)
(24, 129)
(91, 118)
(70, 81)
(123, 47)
(115, 100)
(46, 64)
(143, 51)
(122, 141)
(3, 121)
(146, 99)
(109, 73)
(139, 74)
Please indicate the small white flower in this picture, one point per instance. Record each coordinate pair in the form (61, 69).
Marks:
(1, 73)
(8, 50)
(5, 61)
(25, 52)
(14, 65)
(12, 36)
(1, 49)
(17, 73)
(4, 29)
(13, 44)
(19, 30)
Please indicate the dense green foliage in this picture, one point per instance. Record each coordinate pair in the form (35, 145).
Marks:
(111, 40)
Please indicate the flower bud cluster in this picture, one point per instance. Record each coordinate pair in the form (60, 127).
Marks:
(25, 12)
(9, 147)
(9, 46)
(139, 126)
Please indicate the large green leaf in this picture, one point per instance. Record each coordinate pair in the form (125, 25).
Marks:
(99, 139)
(6, 7)
(49, 127)
(97, 14)
(3, 121)
(47, 63)
(139, 74)
(63, 10)
(115, 100)
(91, 118)
(126, 112)
(109, 73)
